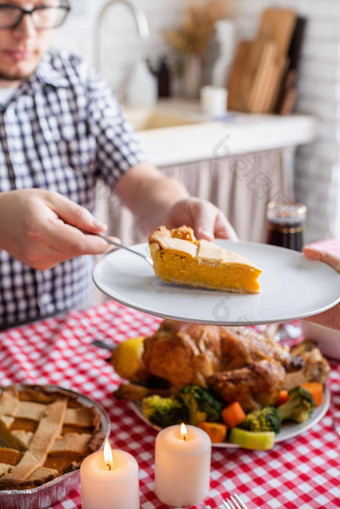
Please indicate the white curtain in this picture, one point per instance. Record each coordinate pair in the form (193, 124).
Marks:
(240, 185)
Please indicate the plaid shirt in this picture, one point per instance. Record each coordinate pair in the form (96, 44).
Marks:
(63, 131)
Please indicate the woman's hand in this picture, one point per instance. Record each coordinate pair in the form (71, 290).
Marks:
(42, 228)
(330, 318)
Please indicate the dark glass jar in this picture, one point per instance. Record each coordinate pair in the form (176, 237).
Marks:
(164, 78)
(286, 224)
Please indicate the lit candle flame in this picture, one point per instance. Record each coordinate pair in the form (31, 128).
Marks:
(183, 432)
(108, 455)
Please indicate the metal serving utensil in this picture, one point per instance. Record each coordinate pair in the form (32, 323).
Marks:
(101, 344)
(148, 259)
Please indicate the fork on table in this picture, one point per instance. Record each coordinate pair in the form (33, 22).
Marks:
(234, 502)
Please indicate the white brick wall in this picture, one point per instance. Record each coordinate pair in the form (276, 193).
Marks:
(119, 41)
(317, 180)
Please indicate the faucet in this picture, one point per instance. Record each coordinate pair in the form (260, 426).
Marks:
(138, 15)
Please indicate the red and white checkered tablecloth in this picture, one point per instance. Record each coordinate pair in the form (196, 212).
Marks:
(303, 472)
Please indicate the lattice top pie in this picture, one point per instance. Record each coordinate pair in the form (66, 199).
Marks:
(180, 258)
(44, 433)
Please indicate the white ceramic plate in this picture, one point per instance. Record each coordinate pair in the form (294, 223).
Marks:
(291, 287)
(287, 431)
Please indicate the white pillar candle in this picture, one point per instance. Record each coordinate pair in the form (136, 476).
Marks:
(182, 465)
(110, 481)
(214, 101)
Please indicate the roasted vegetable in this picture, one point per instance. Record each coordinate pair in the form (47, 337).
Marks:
(216, 431)
(282, 397)
(316, 391)
(233, 414)
(164, 412)
(252, 439)
(201, 404)
(298, 407)
(265, 419)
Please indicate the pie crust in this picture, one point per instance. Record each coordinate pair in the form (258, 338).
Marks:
(45, 432)
(180, 258)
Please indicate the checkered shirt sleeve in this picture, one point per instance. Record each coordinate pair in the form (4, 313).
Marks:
(63, 130)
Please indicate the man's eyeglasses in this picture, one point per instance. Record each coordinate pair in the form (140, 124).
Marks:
(44, 17)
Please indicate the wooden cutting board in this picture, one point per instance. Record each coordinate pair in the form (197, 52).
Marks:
(278, 25)
(254, 78)
(275, 84)
(295, 49)
(260, 64)
(288, 93)
(261, 89)
(240, 80)
(250, 58)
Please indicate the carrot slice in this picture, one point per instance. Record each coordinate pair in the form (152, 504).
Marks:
(282, 397)
(233, 414)
(316, 390)
(216, 431)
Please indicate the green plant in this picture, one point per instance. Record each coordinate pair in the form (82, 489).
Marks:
(193, 35)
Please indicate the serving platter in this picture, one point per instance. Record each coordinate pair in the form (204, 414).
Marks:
(288, 430)
(292, 287)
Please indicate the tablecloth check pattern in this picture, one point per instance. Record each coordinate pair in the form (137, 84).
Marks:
(303, 472)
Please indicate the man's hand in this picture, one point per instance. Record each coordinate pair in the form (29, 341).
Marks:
(207, 220)
(330, 318)
(42, 228)
(157, 199)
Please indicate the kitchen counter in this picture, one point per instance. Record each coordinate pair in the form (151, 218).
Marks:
(206, 138)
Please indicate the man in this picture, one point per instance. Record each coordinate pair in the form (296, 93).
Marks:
(60, 132)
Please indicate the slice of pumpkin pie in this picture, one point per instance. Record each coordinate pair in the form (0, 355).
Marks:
(180, 258)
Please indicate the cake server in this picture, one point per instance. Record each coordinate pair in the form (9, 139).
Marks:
(148, 259)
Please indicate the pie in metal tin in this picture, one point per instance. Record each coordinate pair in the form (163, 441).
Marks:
(45, 433)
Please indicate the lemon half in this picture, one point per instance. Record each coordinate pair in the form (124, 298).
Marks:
(127, 358)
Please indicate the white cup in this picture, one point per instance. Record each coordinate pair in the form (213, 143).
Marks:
(214, 101)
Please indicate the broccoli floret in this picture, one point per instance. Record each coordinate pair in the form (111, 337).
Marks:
(201, 404)
(163, 412)
(265, 419)
(298, 407)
